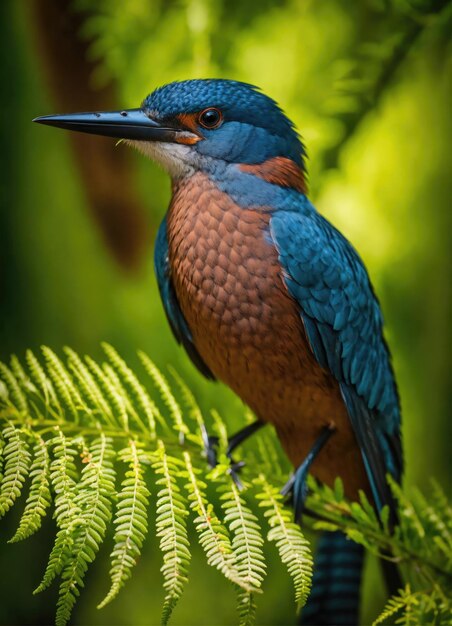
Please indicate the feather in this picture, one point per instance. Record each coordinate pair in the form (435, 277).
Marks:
(343, 324)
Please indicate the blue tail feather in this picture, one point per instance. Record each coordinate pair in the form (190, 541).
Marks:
(335, 594)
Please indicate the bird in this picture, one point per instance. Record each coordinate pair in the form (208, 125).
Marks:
(268, 297)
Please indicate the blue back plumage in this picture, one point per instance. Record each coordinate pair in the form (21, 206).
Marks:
(343, 323)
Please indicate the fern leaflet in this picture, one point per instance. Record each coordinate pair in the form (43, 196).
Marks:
(247, 545)
(17, 463)
(137, 389)
(39, 497)
(89, 387)
(67, 391)
(292, 546)
(212, 534)
(131, 520)
(172, 529)
(63, 475)
(93, 497)
(13, 389)
(162, 385)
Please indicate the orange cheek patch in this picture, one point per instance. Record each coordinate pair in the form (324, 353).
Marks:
(188, 140)
(189, 121)
(279, 171)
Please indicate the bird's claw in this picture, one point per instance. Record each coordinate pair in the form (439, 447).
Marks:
(210, 443)
(297, 487)
(296, 490)
(210, 449)
(233, 471)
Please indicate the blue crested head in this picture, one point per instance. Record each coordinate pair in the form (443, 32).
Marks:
(236, 121)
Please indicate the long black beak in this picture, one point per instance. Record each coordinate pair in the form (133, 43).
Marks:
(130, 124)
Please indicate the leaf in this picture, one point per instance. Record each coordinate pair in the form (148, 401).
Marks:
(93, 498)
(143, 400)
(89, 387)
(247, 545)
(167, 396)
(172, 529)
(212, 534)
(42, 381)
(67, 392)
(39, 498)
(131, 520)
(17, 463)
(63, 475)
(15, 394)
(290, 541)
(115, 399)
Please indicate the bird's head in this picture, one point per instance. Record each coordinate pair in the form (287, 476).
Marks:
(197, 125)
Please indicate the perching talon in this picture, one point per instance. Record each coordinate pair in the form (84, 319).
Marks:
(211, 444)
(296, 486)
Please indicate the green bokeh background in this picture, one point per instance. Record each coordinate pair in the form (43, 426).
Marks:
(368, 85)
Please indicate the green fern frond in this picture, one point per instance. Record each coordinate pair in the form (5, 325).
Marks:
(17, 460)
(434, 522)
(167, 396)
(221, 432)
(67, 392)
(247, 545)
(393, 606)
(246, 608)
(193, 410)
(42, 381)
(405, 602)
(93, 498)
(63, 475)
(132, 417)
(212, 534)
(441, 504)
(39, 498)
(88, 387)
(171, 528)
(114, 399)
(410, 521)
(247, 540)
(2, 448)
(138, 391)
(292, 546)
(131, 519)
(15, 393)
(20, 374)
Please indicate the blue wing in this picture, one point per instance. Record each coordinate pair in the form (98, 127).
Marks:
(343, 323)
(173, 312)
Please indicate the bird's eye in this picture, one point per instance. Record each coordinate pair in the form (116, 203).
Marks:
(210, 118)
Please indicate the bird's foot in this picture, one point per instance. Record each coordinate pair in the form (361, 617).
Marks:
(296, 487)
(296, 490)
(211, 445)
(210, 449)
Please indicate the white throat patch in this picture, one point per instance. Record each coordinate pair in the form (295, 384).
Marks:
(177, 159)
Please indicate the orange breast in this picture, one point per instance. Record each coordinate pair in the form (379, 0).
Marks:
(248, 330)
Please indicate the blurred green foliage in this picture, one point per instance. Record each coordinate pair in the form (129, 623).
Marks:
(368, 85)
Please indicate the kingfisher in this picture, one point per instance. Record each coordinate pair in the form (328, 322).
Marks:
(270, 298)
